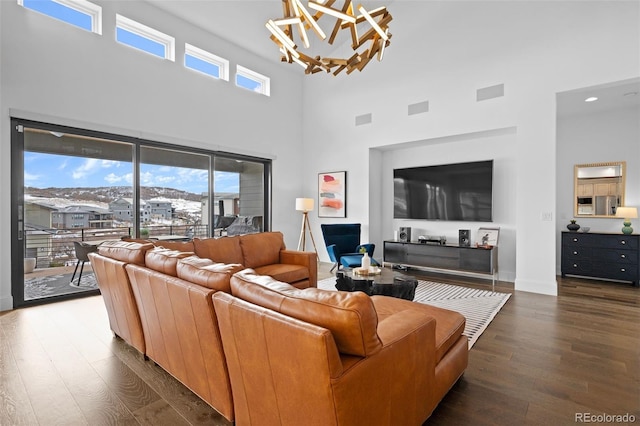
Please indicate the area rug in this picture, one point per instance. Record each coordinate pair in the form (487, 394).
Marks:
(54, 285)
(479, 307)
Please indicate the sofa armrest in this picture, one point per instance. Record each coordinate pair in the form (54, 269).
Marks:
(399, 325)
(406, 361)
(303, 258)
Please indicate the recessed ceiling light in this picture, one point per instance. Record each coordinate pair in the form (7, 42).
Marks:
(591, 99)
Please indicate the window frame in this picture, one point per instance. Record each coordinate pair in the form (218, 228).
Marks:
(265, 82)
(203, 55)
(92, 10)
(149, 33)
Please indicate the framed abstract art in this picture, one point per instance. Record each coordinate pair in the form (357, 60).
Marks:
(332, 194)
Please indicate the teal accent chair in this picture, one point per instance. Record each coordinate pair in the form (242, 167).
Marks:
(343, 245)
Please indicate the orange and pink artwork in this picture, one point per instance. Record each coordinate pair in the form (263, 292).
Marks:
(332, 194)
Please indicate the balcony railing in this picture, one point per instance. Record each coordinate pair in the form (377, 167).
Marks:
(54, 247)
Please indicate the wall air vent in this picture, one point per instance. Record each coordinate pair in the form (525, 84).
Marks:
(419, 108)
(490, 92)
(363, 119)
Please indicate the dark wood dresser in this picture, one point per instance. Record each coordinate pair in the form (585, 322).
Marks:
(601, 255)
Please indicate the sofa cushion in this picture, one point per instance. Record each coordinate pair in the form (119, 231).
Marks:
(207, 273)
(350, 317)
(449, 324)
(223, 249)
(176, 245)
(284, 272)
(261, 249)
(124, 251)
(164, 260)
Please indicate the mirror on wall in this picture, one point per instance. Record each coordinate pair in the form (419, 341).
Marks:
(599, 189)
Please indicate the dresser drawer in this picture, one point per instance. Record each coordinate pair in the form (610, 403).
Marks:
(575, 239)
(577, 252)
(617, 271)
(576, 266)
(614, 255)
(629, 242)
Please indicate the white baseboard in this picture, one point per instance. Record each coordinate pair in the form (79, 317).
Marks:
(541, 287)
(6, 303)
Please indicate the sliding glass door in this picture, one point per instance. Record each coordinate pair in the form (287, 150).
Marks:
(74, 186)
(68, 180)
(173, 188)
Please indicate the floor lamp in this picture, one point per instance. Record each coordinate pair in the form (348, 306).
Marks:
(305, 205)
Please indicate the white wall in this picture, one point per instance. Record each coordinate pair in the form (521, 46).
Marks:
(597, 138)
(499, 146)
(535, 49)
(65, 75)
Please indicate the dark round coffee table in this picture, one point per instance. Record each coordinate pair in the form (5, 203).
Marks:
(386, 283)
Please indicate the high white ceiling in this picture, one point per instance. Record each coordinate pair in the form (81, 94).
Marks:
(624, 94)
(239, 21)
(243, 23)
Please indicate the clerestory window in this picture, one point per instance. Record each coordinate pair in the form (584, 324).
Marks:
(79, 13)
(147, 39)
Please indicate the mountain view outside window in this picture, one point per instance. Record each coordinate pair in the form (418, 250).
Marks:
(81, 189)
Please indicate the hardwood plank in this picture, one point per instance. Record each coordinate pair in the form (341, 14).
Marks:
(159, 413)
(128, 386)
(15, 408)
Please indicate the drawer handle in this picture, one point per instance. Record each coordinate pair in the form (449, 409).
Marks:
(623, 242)
(575, 240)
(575, 252)
(623, 256)
(575, 266)
(623, 270)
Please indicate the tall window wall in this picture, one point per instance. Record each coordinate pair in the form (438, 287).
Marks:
(79, 185)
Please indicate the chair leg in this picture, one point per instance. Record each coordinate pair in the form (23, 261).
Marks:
(80, 276)
(75, 270)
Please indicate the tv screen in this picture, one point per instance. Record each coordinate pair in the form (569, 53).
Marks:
(461, 191)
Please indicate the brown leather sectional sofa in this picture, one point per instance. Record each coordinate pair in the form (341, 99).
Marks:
(263, 351)
(322, 357)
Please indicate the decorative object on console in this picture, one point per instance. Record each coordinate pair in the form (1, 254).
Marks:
(332, 194)
(627, 213)
(365, 263)
(573, 226)
(404, 234)
(488, 237)
(305, 205)
(585, 229)
(299, 18)
(463, 237)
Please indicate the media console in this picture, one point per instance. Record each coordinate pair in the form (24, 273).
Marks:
(450, 258)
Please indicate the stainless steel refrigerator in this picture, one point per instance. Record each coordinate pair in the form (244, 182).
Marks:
(606, 204)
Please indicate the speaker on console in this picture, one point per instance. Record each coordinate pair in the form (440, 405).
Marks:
(464, 239)
(404, 234)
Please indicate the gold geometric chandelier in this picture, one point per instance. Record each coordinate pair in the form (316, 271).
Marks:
(298, 18)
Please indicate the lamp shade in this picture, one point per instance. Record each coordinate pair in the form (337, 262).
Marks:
(627, 212)
(304, 204)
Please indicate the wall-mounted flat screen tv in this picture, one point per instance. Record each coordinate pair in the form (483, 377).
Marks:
(461, 191)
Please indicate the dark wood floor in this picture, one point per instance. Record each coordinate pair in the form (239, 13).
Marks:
(542, 361)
